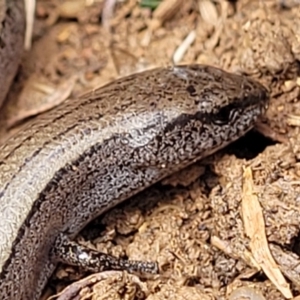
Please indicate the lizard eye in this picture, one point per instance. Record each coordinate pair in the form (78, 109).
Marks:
(226, 115)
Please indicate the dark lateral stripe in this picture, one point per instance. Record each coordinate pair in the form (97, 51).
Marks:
(37, 152)
(93, 97)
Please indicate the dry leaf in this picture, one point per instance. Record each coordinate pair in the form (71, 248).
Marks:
(255, 228)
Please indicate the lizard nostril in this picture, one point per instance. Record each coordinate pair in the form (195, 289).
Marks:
(191, 90)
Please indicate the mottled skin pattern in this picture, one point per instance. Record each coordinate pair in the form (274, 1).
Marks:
(12, 30)
(91, 153)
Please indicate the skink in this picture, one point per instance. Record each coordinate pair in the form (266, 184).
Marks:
(81, 159)
(12, 29)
